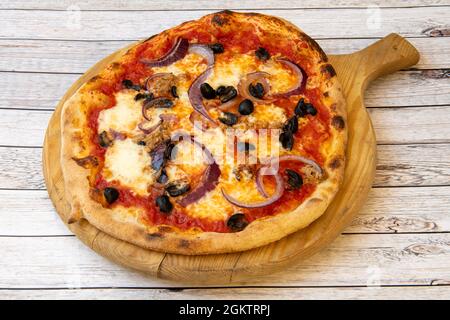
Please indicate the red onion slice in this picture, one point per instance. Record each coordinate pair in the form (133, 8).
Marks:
(168, 117)
(195, 96)
(230, 104)
(177, 52)
(293, 157)
(144, 112)
(260, 184)
(155, 76)
(204, 51)
(160, 102)
(274, 197)
(210, 177)
(209, 181)
(250, 78)
(147, 128)
(299, 86)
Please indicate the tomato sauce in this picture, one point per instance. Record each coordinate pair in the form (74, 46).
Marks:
(308, 138)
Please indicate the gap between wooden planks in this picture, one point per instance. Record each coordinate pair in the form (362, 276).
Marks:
(129, 25)
(250, 293)
(398, 259)
(209, 4)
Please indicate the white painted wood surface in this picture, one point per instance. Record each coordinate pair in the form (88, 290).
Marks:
(397, 248)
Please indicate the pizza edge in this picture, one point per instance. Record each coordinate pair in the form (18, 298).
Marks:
(165, 239)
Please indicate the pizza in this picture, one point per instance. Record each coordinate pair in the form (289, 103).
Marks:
(219, 135)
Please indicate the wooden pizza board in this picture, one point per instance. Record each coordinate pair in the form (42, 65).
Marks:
(355, 71)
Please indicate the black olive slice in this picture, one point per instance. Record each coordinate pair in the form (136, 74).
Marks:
(287, 140)
(221, 90)
(300, 109)
(164, 204)
(246, 107)
(237, 222)
(129, 85)
(310, 109)
(175, 189)
(163, 178)
(141, 96)
(216, 48)
(304, 108)
(291, 125)
(159, 103)
(228, 118)
(256, 90)
(294, 179)
(111, 194)
(207, 91)
(262, 54)
(228, 94)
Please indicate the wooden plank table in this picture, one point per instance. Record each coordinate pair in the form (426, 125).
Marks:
(399, 245)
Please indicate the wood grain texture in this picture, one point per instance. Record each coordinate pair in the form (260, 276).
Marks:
(21, 168)
(412, 209)
(395, 259)
(133, 25)
(31, 213)
(77, 56)
(273, 293)
(404, 88)
(208, 4)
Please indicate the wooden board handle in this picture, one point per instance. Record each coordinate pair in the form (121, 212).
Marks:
(388, 55)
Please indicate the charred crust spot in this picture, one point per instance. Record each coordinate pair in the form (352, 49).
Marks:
(338, 122)
(184, 244)
(115, 65)
(229, 12)
(155, 235)
(326, 94)
(86, 162)
(329, 70)
(94, 78)
(165, 229)
(219, 19)
(314, 45)
(335, 163)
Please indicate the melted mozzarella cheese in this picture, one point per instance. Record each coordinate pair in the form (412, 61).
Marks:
(128, 163)
(212, 206)
(281, 78)
(269, 116)
(192, 63)
(229, 73)
(124, 116)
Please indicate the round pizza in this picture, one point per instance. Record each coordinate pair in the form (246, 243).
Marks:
(219, 135)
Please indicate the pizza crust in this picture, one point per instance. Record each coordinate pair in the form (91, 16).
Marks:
(169, 239)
